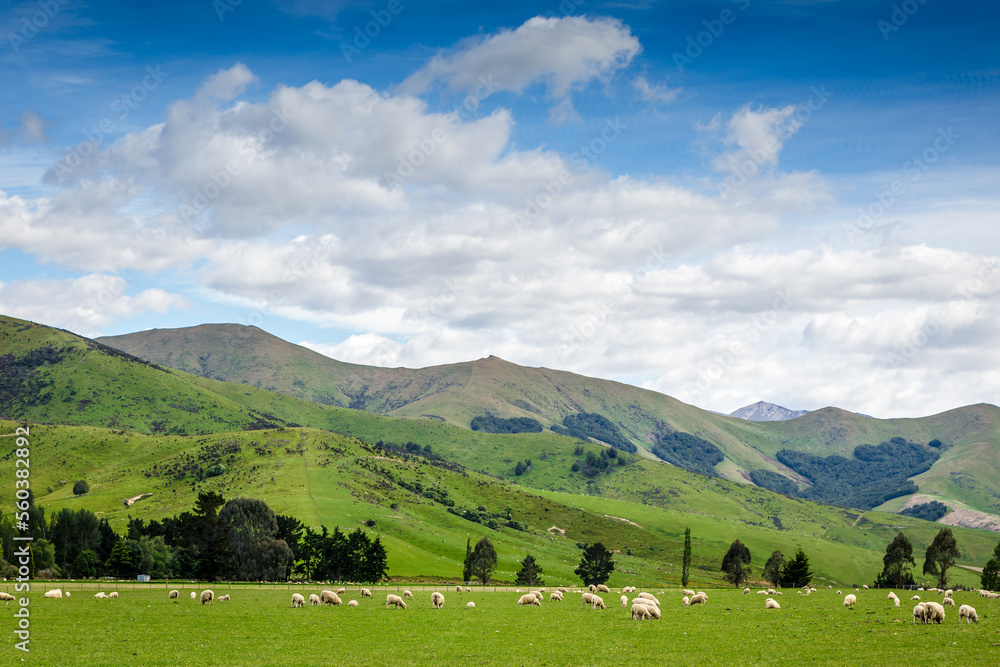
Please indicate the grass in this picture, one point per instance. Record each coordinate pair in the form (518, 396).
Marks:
(143, 627)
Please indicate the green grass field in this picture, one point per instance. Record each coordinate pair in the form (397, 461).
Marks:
(143, 627)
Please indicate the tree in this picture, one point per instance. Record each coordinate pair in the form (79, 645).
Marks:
(736, 562)
(772, 568)
(895, 572)
(795, 573)
(375, 563)
(530, 574)
(941, 555)
(686, 567)
(119, 563)
(80, 487)
(86, 566)
(467, 568)
(595, 565)
(250, 526)
(45, 554)
(991, 575)
(484, 560)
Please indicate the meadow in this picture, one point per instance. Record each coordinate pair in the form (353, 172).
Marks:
(258, 627)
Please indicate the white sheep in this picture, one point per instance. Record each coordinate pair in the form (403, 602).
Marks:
(948, 602)
(699, 598)
(470, 605)
(224, 598)
(934, 612)
(891, 596)
(592, 588)
(314, 600)
(528, 599)
(342, 590)
(649, 596)
(949, 593)
(54, 593)
(194, 596)
(468, 590)
(915, 597)
(687, 591)
(653, 611)
(458, 589)
(100, 596)
(603, 589)
(352, 603)
(746, 591)
(773, 592)
(920, 613)
(407, 594)
(865, 586)
(437, 600)
(6, 597)
(562, 589)
(770, 603)
(597, 603)
(588, 598)
(760, 592)
(850, 601)
(394, 600)
(68, 594)
(555, 596)
(173, 594)
(365, 593)
(624, 600)
(968, 613)
(207, 596)
(895, 602)
(298, 600)
(640, 612)
(687, 601)
(330, 598)
(838, 592)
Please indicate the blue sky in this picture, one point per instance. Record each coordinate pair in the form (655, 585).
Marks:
(722, 201)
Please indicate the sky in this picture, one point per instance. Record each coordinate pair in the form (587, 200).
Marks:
(792, 201)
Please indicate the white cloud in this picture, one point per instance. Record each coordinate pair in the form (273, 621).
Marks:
(370, 349)
(760, 136)
(561, 53)
(655, 93)
(226, 84)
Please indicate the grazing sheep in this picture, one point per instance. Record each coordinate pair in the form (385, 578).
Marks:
(6, 597)
(173, 594)
(437, 600)
(562, 589)
(919, 613)
(771, 604)
(458, 589)
(624, 600)
(760, 592)
(891, 596)
(895, 602)
(470, 605)
(207, 596)
(407, 594)
(529, 599)
(649, 596)
(194, 596)
(778, 593)
(640, 612)
(365, 593)
(518, 590)
(100, 596)
(949, 593)
(555, 596)
(113, 594)
(224, 598)
(592, 588)
(603, 589)
(314, 600)
(394, 600)
(850, 600)
(54, 593)
(468, 590)
(934, 612)
(948, 602)
(915, 597)
(687, 601)
(597, 603)
(587, 598)
(329, 597)
(865, 586)
(298, 600)
(68, 594)
(352, 603)
(699, 598)
(772, 591)
(968, 613)
(838, 592)
(341, 590)
(687, 591)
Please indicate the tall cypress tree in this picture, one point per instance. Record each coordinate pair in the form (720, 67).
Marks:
(686, 567)
(467, 569)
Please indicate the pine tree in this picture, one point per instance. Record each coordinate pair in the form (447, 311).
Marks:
(484, 560)
(686, 567)
(120, 561)
(467, 569)
(796, 572)
(595, 565)
(530, 573)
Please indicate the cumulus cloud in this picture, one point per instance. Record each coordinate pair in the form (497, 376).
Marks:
(560, 53)
(759, 135)
(30, 129)
(226, 84)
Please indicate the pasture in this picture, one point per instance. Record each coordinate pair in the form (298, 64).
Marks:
(259, 627)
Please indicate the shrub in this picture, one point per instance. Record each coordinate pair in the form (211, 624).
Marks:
(80, 487)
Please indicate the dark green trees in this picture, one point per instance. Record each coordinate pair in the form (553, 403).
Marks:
(736, 563)
(772, 568)
(941, 555)
(686, 563)
(80, 487)
(595, 565)
(897, 562)
(482, 562)
(250, 526)
(991, 573)
(530, 573)
(796, 572)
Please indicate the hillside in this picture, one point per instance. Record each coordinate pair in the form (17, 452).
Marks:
(762, 411)
(964, 476)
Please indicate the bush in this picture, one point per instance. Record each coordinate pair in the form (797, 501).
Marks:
(931, 511)
(586, 425)
(688, 451)
(491, 424)
(80, 487)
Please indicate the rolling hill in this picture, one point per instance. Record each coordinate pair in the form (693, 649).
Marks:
(657, 426)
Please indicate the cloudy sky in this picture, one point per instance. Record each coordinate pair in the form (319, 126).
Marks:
(793, 201)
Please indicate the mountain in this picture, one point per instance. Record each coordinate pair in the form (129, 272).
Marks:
(766, 412)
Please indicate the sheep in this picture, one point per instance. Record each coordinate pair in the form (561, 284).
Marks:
(771, 604)
(603, 589)
(173, 595)
(54, 593)
(562, 589)
(968, 613)
(919, 613)
(699, 598)
(687, 591)
(891, 596)
(194, 596)
(224, 598)
(640, 612)
(528, 599)
(6, 597)
(597, 603)
(394, 600)
(865, 586)
(850, 600)
(587, 598)
(470, 605)
(407, 594)
(365, 593)
(838, 592)
(948, 602)
(934, 612)
(537, 594)
(624, 600)
(468, 590)
(352, 603)
(778, 593)
(555, 596)
(949, 593)
(518, 590)
(342, 590)
(687, 601)
(298, 600)
(915, 597)
(68, 594)
(330, 598)
(100, 596)
(314, 600)
(760, 592)
(113, 594)
(895, 602)
(592, 588)
(437, 600)
(649, 596)
(458, 589)
(772, 591)
(207, 596)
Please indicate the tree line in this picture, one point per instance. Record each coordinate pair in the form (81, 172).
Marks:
(241, 538)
